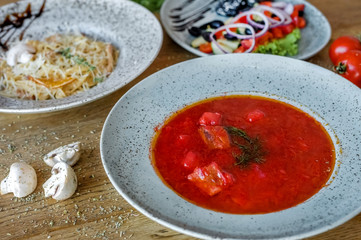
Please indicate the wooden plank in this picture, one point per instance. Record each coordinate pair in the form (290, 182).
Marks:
(97, 210)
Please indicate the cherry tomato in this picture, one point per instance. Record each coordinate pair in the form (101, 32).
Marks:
(277, 32)
(301, 22)
(342, 45)
(241, 49)
(287, 29)
(247, 43)
(349, 66)
(265, 38)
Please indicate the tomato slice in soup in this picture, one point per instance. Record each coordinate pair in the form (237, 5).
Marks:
(243, 154)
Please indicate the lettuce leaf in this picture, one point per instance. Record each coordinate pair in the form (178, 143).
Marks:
(284, 46)
(152, 5)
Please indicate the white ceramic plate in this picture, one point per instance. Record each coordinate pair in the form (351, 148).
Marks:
(315, 35)
(130, 27)
(129, 128)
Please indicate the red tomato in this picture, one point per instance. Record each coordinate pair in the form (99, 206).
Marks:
(210, 179)
(301, 22)
(298, 21)
(267, 3)
(242, 19)
(277, 32)
(349, 66)
(247, 43)
(191, 160)
(255, 115)
(264, 39)
(241, 49)
(210, 119)
(287, 29)
(342, 45)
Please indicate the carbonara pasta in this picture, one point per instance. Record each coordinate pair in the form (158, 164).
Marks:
(61, 65)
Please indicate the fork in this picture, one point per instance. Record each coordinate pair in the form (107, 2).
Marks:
(192, 16)
(194, 11)
(180, 8)
(184, 26)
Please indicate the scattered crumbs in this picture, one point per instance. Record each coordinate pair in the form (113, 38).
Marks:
(101, 211)
(51, 223)
(11, 147)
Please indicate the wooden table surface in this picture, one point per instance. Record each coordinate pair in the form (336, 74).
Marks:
(96, 210)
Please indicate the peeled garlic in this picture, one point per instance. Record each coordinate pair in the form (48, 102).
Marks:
(62, 183)
(21, 180)
(69, 154)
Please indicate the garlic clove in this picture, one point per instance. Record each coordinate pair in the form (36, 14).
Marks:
(69, 154)
(21, 52)
(21, 180)
(63, 182)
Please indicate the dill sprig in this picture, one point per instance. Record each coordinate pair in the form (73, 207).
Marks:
(98, 79)
(81, 61)
(251, 148)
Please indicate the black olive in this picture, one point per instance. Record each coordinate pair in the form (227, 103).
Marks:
(214, 25)
(301, 13)
(204, 26)
(248, 31)
(206, 36)
(230, 37)
(194, 31)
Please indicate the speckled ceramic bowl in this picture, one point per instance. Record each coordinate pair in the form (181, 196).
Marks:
(332, 100)
(130, 27)
(315, 35)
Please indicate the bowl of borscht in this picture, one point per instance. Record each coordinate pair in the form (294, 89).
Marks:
(241, 146)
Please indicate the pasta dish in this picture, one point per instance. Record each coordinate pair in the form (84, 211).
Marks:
(57, 67)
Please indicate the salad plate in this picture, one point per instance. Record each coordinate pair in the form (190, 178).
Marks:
(314, 36)
(130, 127)
(128, 26)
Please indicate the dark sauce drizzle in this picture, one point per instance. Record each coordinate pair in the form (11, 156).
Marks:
(14, 21)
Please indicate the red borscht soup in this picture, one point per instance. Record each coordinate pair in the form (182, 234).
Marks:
(243, 154)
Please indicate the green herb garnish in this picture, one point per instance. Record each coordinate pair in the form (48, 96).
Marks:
(152, 5)
(98, 79)
(251, 148)
(81, 61)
